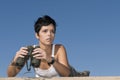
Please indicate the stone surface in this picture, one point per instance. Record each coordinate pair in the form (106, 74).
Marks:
(65, 78)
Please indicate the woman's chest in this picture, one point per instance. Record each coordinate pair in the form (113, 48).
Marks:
(44, 66)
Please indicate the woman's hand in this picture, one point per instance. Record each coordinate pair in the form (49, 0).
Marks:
(21, 53)
(40, 54)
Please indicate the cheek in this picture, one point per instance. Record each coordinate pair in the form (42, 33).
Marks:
(53, 37)
(42, 37)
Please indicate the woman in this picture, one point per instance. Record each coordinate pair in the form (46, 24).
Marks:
(53, 57)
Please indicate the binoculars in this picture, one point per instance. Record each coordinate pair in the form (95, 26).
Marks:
(33, 61)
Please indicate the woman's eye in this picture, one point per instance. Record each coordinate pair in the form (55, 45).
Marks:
(53, 31)
(45, 31)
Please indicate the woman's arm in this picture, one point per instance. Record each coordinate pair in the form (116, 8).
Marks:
(61, 63)
(13, 69)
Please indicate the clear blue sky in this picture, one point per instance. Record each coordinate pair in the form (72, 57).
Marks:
(89, 29)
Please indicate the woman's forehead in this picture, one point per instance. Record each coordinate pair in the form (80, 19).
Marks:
(51, 26)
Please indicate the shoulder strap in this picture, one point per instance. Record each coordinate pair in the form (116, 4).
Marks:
(53, 50)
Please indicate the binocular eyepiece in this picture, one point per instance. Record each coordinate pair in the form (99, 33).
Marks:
(33, 61)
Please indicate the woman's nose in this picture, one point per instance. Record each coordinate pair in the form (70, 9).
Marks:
(49, 33)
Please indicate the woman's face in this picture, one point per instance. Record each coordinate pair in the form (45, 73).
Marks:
(46, 34)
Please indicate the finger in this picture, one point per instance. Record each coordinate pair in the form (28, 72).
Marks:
(36, 52)
(22, 56)
(38, 49)
(23, 48)
(23, 53)
(38, 55)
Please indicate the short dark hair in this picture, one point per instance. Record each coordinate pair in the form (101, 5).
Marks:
(44, 21)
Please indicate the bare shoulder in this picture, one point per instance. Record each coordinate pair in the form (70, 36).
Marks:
(61, 54)
(60, 49)
(59, 45)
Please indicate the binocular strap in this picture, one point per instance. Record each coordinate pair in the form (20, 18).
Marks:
(28, 65)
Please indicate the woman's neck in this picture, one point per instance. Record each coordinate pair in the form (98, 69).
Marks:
(47, 48)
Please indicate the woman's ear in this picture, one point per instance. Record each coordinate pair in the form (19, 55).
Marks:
(36, 35)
